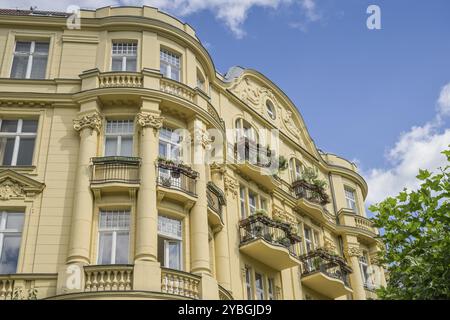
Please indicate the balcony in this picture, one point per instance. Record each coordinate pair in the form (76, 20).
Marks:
(179, 283)
(254, 161)
(112, 174)
(27, 286)
(176, 181)
(108, 278)
(326, 273)
(350, 221)
(216, 200)
(119, 79)
(270, 242)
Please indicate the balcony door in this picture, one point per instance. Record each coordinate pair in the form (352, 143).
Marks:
(170, 243)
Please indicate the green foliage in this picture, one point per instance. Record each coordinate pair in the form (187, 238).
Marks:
(282, 163)
(311, 176)
(417, 238)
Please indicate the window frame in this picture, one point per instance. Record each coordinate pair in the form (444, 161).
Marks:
(3, 231)
(124, 56)
(169, 66)
(171, 238)
(114, 231)
(30, 55)
(270, 109)
(170, 145)
(17, 137)
(347, 191)
(119, 137)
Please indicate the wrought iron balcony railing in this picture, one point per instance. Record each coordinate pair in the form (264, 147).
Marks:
(329, 264)
(176, 176)
(310, 192)
(276, 233)
(115, 169)
(248, 150)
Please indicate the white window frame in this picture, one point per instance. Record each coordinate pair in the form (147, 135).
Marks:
(30, 57)
(252, 208)
(270, 288)
(260, 291)
(243, 201)
(4, 231)
(249, 283)
(364, 264)
(170, 65)
(17, 135)
(114, 231)
(171, 237)
(124, 55)
(119, 136)
(350, 198)
(170, 144)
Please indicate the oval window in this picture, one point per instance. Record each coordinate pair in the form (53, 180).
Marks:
(270, 109)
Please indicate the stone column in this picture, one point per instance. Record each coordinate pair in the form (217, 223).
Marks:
(221, 238)
(88, 124)
(198, 217)
(353, 252)
(147, 272)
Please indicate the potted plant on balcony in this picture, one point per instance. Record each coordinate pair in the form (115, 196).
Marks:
(284, 241)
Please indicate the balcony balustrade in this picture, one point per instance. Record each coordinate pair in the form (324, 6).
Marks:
(310, 192)
(180, 283)
(175, 176)
(270, 242)
(108, 278)
(115, 169)
(120, 80)
(326, 273)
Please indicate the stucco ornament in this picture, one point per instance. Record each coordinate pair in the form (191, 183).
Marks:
(147, 119)
(231, 186)
(11, 189)
(92, 121)
(353, 251)
(329, 245)
(202, 136)
(290, 124)
(253, 94)
(217, 167)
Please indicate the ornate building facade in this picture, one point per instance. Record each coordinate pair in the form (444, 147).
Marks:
(130, 168)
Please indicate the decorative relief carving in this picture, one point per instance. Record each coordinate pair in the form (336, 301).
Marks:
(290, 124)
(329, 245)
(11, 189)
(216, 167)
(202, 136)
(282, 215)
(147, 119)
(375, 259)
(353, 251)
(92, 121)
(231, 186)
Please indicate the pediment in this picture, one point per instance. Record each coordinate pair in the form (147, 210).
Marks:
(14, 185)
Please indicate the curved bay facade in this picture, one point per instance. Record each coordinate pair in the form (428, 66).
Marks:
(100, 192)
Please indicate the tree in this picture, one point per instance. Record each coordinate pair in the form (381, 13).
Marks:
(416, 235)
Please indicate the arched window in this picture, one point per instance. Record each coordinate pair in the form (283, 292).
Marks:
(245, 130)
(270, 108)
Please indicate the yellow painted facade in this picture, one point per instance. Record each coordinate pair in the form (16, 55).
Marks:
(235, 232)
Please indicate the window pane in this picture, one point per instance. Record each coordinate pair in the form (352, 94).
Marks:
(126, 149)
(9, 126)
(41, 47)
(111, 146)
(175, 74)
(26, 148)
(163, 69)
(29, 126)
(116, 64)
(131, 64)
(174, 255)
(169, 227)
(6, 150)
(39, 67)
(161, 251)
(163, 149)
(105, 246)
(23, 47)
(259, 286)
(14, 221)
(19, 67)
(122, 245)
(10, 253)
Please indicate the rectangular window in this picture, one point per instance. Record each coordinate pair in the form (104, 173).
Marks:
(114, 237)
(263, 204)
(351, 199)
(170, 65)
(169, 242)
(124, 56)
(169, 144)
(271, 288)
(248, 283)
(308, 240)
(17, 139)
(30, 60)
(119, 138)
(316, 239)
(11, 224)
(259, 285)
(252, 202)
(242, 202)
(364, 267)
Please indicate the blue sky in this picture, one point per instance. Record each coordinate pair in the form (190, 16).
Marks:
(373, 96)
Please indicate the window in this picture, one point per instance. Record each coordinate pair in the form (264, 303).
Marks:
(316, 239)
(30, 60)
(364, 267)
(242, 201)
(270, 109)
(351, 199)
(259, 285)
(170, 65)
(119, 138)
(124, 56)
(252, 202)
(263, 204)
(17, 139)
(248, 283)
(245, 130)
(271, 288)
(200, 81)
(114, 237)
(169, 144)
(11, 224)
(308, 240)
(296, 169)
(169, 242)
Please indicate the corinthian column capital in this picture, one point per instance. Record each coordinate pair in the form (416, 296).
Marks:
(147, 119)
(353, 251)
(91, 120)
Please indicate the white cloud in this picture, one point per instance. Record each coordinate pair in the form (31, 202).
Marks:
(231, 12)
(419, 148)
